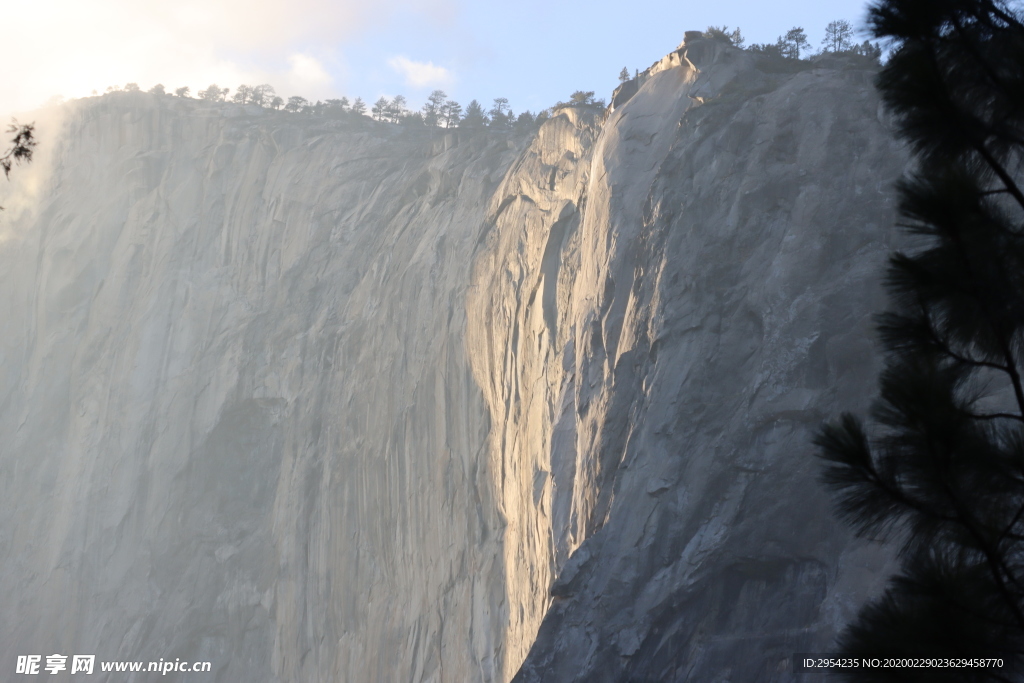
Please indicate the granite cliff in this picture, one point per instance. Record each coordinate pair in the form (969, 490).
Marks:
(332, 400)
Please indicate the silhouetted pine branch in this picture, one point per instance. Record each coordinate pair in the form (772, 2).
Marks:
(941, 470)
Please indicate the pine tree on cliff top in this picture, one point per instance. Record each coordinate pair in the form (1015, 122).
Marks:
(942, 471)
(838, 36)
(475, 116)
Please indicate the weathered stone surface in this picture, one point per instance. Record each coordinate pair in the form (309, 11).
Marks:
(239, 422)
(622, 93)
(709, 305)
(327, 401)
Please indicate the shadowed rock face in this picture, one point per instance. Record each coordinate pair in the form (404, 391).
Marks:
(324, 401)
(719, 242)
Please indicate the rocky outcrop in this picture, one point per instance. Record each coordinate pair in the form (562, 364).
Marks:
(239, 421)
(665, 323)
(330, 400)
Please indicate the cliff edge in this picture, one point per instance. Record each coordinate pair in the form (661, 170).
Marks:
(670, 305)
(332, 400)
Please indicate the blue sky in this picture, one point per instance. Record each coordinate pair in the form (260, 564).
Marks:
(536, 52)
(531, 51)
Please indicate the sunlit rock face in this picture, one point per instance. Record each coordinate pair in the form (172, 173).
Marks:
(340, 401)
(670, 304)
(239, 422)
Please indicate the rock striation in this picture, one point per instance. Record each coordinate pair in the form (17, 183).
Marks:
(239, 422)
(691, 297)
(331, 400)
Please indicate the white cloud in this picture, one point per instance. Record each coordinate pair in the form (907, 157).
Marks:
(71, 48)
(308, 70)
(421, 74)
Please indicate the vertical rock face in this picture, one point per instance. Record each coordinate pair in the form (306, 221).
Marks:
(666, 311)
(239, 423)
(324, 401)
